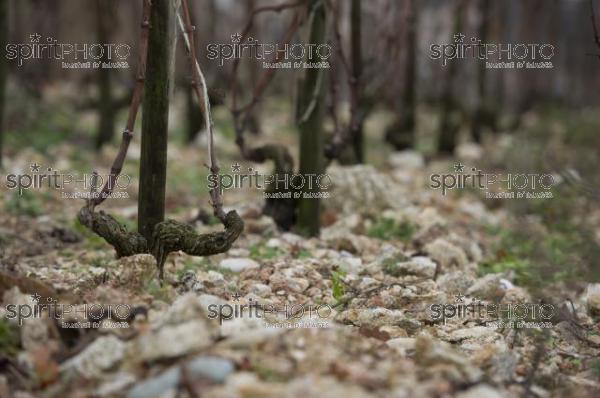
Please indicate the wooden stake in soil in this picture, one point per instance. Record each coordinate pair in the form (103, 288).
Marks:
(155, 120)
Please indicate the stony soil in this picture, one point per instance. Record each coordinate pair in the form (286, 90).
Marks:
(378, 338)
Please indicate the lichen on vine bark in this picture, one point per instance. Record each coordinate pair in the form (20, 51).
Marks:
(168, 236)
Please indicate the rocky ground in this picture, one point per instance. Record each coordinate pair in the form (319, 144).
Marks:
(391, 248)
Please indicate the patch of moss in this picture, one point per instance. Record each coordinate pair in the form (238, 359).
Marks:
(521, 269)
(337, 285)
(269, 375)
(575, 363)
(595, 367)
(388, 229)
(389, 263)
(261, 251)
(101, 262)
(537, 258)
(25, 204)
(164, 293)
(49, 126)
(67, 253)
(303, 253)
(9, 338)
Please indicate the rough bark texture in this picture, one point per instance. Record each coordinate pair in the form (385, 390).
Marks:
(311, 135)
(153, 162)
(3, 68)
(168, 236)
(126, 243)
(402, 134)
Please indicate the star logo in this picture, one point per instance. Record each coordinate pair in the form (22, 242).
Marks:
(460, 298)
(236, 37)
(36, 297)
(35, 168)
(459, 38)
(459, 167)
(236, 167)
(236, 296)
(35, 38)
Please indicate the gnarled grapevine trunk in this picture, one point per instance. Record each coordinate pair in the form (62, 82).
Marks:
(156, 236)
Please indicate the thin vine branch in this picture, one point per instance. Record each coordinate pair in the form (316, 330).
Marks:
(338, 38)
(201, 90)
(134, 106)
(239, 113)
(287, 38)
